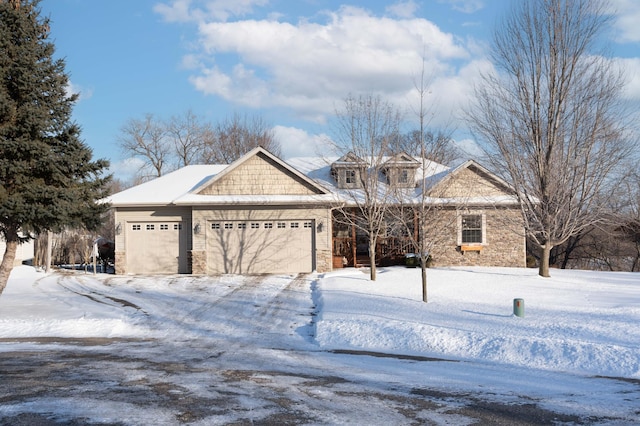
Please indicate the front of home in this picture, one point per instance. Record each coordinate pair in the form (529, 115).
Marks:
(264, 215)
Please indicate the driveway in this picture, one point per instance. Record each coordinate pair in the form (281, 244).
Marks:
(240, 355)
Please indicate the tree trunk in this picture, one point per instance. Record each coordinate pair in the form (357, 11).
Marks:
(543, 271)
(372, 259)
(423, 265)
(7, 263)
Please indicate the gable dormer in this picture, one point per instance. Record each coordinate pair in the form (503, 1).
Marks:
(347, 171)
(400, 170)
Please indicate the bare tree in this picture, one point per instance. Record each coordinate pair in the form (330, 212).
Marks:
(188, 135)
(550, 118)
(438, 145)
(366, 128)
(146, 139)
(166, 145)
(236, 136)
(423, 220)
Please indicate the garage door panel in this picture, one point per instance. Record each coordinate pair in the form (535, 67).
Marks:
(155, 248)
(260, 247)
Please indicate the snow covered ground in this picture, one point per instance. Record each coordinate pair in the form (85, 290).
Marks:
(580, 331)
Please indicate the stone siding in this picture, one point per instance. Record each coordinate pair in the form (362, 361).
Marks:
(504, 245)
(198, 262)
(120, 262)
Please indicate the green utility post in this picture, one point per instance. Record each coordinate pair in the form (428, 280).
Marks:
(518, 307)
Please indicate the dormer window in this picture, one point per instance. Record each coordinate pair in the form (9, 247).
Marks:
(350, 177)
(403, 177)
(400, 170)
(347, 171)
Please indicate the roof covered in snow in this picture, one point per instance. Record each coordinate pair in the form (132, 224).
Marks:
(183, 186)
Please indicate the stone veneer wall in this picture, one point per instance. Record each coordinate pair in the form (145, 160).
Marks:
(120, 262)
(324, 261)
(198, 262)
(504, 246)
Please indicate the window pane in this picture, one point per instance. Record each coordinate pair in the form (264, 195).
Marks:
(472, 229)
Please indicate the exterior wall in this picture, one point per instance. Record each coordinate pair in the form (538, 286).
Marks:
(469, 183)
(258, 176)
(198, 262)
(504, 245)
(320, 215)
(125, 215)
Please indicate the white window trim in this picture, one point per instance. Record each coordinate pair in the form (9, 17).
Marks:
(459, 227)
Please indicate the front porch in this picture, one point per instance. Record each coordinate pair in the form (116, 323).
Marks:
(389, 251)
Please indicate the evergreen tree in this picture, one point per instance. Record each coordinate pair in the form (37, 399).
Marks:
(47, 177)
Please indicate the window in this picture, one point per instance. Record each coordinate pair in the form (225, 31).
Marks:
(472, 228)
(307, 225)
(268, 225)
(403, 177)
(228, 226)
(255, 225)
(215, 226)
(164, 227)
(135, 227)
(350, 177)
(177, 226)
(242, 226)
(150, 227)
(295, 224)
(282, 225)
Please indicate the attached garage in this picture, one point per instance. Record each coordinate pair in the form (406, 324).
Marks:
(156, 247)
(260, 246)
(255, 216)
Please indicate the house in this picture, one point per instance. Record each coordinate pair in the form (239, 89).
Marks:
(476, 220)
(24, 252)
(261, 214)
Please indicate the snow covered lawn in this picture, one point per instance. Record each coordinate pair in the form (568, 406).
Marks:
(576, 321)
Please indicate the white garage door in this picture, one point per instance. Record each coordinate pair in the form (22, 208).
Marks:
(155, 247)
(258, 247)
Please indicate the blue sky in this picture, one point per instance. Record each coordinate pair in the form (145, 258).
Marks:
(290, 61)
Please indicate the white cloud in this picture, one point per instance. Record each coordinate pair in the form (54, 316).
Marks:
(465, 6)
(631, 69)
(469, 148)
(126, 170)
(299, 143)
(627, 16)
(201, 10)
(176, 11)
(82, 92)
(403, 9)
(307, 66)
